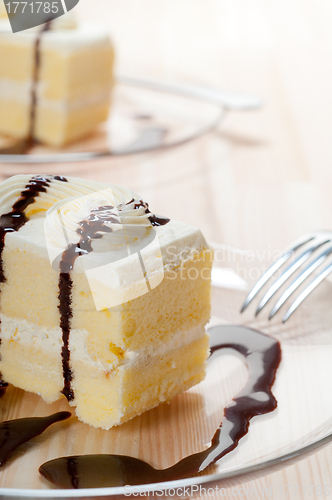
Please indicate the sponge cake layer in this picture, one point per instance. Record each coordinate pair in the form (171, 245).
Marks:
(139, 298)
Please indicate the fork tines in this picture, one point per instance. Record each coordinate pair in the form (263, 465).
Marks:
(317, 240)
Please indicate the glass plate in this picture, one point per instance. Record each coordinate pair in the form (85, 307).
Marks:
(301, 423)
(141, 120)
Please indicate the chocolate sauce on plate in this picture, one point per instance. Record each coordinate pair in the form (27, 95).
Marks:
(3, 386)
(262, 354)
(13, 433)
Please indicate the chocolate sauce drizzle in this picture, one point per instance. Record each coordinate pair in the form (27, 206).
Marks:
(262, 354)
(35, 78)
(23, 146)
(13, 433)
(90, 229)
(14, 220)
(3, 386)
(156, 220)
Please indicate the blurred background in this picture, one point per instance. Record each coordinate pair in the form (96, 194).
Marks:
(264, 177)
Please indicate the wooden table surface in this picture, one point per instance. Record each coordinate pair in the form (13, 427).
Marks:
(264, 177)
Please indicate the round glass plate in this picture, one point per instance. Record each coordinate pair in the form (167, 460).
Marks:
(141, 119)
(302, 421)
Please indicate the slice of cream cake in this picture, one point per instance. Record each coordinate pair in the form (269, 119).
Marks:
(55, 81)
(101, 300)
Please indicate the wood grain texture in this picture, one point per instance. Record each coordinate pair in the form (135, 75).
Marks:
(260, 181)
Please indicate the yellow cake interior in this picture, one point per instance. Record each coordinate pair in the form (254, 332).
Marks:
(124, 359)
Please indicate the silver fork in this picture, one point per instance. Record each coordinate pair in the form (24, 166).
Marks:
(321, 246)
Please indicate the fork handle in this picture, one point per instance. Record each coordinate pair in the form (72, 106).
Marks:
(231, 101)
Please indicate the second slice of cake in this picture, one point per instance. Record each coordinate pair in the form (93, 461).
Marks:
(101, 300)
(55, 85)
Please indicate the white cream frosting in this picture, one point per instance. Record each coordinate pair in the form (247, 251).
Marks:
(63, 40)
(11, 189)
(126, 262)
(84, 36)
(66, 215)
(65, 204)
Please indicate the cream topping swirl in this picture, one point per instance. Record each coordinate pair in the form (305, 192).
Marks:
(126, 222)
(65, 204)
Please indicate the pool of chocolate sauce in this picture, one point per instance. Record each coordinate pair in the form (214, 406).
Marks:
(13, 433)
(262, 355)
